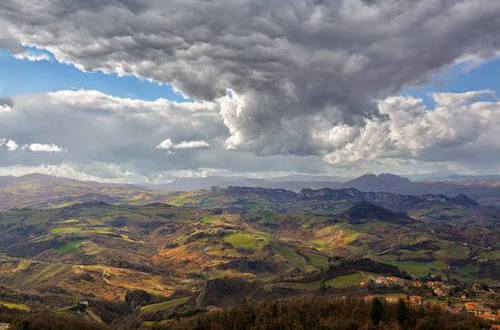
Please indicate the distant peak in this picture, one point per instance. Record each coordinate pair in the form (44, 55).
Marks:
(381, 178)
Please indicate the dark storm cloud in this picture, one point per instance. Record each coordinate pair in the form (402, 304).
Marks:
(295, 67)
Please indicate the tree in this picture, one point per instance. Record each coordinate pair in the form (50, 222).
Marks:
(377, 311)
(402, 312)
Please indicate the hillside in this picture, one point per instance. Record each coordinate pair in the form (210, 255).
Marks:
(113, 254)
(209, 249)
(44, 191)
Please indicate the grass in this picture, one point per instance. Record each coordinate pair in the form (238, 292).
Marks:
(316, 260)
(468, 272)
(246, 241)
(73, 246)
(412, 255)
(309, 286)
(450, 250)
(288, 255)
(186, 198)
(78, 230)
(331, 237)
(346, 281)
(370, 227)
(10, 305)
(230, 273)
(420, 268)
(46, 272)
(153, 308)
(65, 230)
(494, 254)
(69, 221)
(23, 265)
(223, 253)
(126, 238)
(207, 220)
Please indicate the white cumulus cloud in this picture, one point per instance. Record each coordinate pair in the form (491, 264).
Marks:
(167, 144)
(10, 144)
(460, 130)
(32, 57)
(5, 108)
(40, 147)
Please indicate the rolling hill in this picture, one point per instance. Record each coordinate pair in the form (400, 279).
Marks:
(128, 253)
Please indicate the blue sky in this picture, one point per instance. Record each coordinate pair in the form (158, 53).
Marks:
(458, 79)
(22, 76)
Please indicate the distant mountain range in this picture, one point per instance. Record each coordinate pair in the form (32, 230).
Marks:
(291, 182)
(481, 190)
(38, 190)
(43, 190)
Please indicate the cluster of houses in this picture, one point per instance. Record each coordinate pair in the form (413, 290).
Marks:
(482, 311)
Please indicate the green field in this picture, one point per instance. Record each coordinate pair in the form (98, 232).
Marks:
(494, 255)
(468, 272)
(288, 255)
(246, 241)
(153, 308)
(78, 230)
(73, 246)
(308, 286)
(420, 268)
(316, 260)
(207, 220)
(450, 250)
(346, 281)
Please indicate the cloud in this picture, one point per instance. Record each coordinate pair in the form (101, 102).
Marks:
(32, 57)
(167, 144)
(6, 105)
(35, 147)
(20, 51)
(40, 147)
(113, 173)
(297, 70)
(10, 144)
(114, 139)
(92, 126)
(5, 108)
(461, 131)
(95, 128)
(458, 99)
(192, 145)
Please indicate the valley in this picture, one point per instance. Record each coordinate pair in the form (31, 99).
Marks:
(210, 249)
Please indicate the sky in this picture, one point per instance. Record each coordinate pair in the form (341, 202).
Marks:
(129, 91)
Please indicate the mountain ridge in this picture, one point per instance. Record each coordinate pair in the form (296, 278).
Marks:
(27, 190)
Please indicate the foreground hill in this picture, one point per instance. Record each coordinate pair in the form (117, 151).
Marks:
(322, 312)
(213, 249)
(118, 254)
